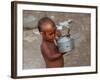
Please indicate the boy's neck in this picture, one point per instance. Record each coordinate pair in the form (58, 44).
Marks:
(46, 41)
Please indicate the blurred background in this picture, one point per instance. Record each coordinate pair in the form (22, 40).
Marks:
(80, 32)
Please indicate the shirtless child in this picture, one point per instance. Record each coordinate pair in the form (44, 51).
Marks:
(53, 58)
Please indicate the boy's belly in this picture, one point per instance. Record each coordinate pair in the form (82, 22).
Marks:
(55, 63)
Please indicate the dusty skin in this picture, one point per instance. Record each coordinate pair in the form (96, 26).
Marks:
(52, 57)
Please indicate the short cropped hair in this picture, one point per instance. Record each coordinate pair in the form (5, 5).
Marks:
(45, 20)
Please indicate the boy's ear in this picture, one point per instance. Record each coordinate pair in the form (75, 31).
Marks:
(41, 33)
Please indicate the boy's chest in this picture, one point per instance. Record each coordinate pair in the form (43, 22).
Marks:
(52, 47)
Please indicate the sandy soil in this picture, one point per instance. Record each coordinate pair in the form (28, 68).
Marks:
(79, 56)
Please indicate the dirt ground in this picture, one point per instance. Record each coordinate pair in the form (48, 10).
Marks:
(80, 32)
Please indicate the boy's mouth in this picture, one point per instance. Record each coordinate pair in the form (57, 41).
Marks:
(51, 40)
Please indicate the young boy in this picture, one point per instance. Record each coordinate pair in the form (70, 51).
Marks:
(53, 58)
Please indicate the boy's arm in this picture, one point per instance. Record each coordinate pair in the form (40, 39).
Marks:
(50, 54)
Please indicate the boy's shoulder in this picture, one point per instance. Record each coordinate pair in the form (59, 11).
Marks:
(46, 46)
(43, 45)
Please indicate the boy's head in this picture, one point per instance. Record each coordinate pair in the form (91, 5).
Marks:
(47, 28)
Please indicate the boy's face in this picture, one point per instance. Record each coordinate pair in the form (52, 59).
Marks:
(48, 32)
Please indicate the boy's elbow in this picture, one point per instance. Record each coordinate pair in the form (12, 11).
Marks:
(52, 58)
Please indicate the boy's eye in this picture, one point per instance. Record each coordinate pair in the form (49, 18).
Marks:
(51, 33)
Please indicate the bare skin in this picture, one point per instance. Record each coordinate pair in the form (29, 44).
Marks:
(53, 58)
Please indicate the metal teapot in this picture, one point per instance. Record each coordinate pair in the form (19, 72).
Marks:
(65, 42)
